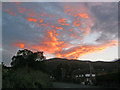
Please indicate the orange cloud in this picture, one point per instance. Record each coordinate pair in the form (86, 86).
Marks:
(54, 46)
(51, 45)
(32, 19)
(63, 21)
(10, 12)
(82, 50)
(71, 30)
(59, 28)
(18, 3)
(19, 45)
(41, 21)
(76, 24)
(84, 15)
(21, 10)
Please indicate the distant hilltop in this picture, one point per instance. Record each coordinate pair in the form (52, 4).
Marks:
(81, 60)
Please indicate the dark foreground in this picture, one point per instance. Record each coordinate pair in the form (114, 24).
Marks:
(77, 86)
(71, 85)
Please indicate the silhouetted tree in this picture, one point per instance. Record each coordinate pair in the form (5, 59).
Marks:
(26, 58)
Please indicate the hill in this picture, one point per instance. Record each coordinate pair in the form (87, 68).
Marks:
(98, 67)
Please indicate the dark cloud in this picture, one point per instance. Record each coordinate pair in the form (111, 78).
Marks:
(106, 21)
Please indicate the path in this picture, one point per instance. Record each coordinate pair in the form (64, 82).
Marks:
(70, 85)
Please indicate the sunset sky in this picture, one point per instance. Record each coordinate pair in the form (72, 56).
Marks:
(76, 30)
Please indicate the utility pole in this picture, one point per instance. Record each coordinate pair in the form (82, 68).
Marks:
(62, 73)
(90, 72)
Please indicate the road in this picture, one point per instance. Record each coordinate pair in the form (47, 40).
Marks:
(70, 85)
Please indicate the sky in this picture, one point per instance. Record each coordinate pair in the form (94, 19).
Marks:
(72, 30)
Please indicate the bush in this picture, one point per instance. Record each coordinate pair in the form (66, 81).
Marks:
(25, 78)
